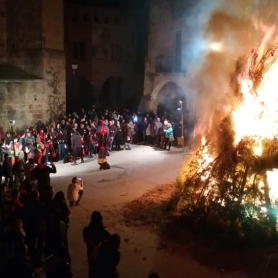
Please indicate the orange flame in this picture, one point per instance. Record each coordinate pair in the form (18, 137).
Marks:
(257, 116)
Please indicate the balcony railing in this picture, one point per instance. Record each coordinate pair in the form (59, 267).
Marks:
(170, 64)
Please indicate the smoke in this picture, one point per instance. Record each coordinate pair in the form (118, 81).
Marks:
(238, 27)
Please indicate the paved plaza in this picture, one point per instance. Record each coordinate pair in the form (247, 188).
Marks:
(132, 173)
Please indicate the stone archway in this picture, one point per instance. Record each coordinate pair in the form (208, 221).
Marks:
(165, 98)
(107, 96)
(79, 93)
(154, 94)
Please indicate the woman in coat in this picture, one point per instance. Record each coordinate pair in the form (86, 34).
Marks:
(169, 136)
(119, 135)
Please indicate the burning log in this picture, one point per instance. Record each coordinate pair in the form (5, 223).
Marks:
(232, 176)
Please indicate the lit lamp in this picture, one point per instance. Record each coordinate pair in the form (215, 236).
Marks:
(216, 47)
(181, 102)
(74, 68)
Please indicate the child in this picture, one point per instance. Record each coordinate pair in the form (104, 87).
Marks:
(102, 159)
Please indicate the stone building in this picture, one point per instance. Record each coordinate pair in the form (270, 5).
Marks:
(101, 41)
(165, 66)
(32, 61)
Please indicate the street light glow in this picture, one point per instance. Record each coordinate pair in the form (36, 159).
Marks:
(216, 46)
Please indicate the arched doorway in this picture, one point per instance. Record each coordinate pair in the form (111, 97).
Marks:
(79, 93)
(166, 98)
(119, 90)
(107, 96)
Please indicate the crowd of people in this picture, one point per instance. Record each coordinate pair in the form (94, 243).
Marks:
(78, 135)
(33, 220)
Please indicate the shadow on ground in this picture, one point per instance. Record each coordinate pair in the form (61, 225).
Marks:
(151, 210)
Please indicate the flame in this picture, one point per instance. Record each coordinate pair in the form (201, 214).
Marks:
(257, 115)
(205, 160)
(272, 178)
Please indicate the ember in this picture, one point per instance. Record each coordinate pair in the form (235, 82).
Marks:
(232, 181)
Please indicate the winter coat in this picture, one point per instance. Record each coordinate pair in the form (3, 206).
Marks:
(7, 169)
(76, 141)
(178, 130)
(169, 132)
(42, 174)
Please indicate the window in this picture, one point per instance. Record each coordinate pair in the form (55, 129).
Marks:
(106, 20)
(86, 18)
(116, 21)
(96, 19)
(78, 51)
(117, 53)
(75, 17)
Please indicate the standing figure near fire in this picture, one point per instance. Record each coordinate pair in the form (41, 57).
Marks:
(76, 145)
(102, 161)
(169, 136)
(103, 135)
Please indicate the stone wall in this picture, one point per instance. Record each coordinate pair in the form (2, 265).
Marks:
(30, 60)
(24, 24)
(53, 24)
(54, 64)
(25, 101)
(2, 28)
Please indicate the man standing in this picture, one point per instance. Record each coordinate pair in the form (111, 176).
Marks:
(103, 135)
(76, 145)
(157, 129)
(42, 174)
(8, 172)
(112, 133)
(75, 191)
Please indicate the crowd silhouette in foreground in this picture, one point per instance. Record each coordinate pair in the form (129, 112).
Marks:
(34, 236)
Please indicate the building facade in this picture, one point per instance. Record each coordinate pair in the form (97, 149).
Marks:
(101, 43)
(32, 61)
(165, 63)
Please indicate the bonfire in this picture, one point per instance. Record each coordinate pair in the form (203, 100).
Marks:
(232, 181)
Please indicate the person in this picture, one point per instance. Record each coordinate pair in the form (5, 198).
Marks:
(8, 172)
(60, 207)
(169, 137)
(107, 258)
(2, 197)
(18, 171)
(158, 126)
(15, 198)
(29, 168)
(75, 191)
(102, 161)
(94, 233)
(61, 140)
(42, 174)
(76, 145)
(119, 136)
(103, 135)
(179, 134)
(112, 133)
